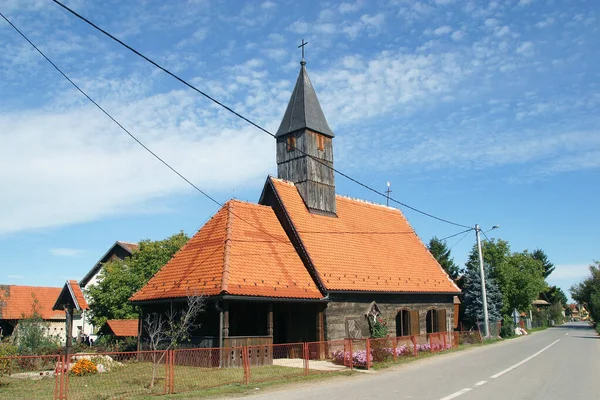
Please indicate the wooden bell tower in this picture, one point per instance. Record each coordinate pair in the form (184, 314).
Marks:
(305, 148)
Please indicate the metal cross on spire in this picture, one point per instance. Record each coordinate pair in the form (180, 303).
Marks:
(302, 47)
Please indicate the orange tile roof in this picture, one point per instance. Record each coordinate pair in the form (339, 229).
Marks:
(17, 302)
(367, 247)
(241, 250)
(78, 294)
(123, 327)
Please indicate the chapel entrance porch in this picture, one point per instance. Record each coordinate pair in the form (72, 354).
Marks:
(256, 322)
(266, 327)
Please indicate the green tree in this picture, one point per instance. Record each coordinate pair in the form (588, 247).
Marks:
(539, 255)
(555, 295)
(495, 253)
(120, 279)
(519, 276)
(441, 253)
(521, 280)
(587, 292)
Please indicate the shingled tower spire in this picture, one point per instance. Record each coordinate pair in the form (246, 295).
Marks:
(305, 128)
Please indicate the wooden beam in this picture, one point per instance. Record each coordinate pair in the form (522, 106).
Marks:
(225, 319)
(270, 320)
(69, 329)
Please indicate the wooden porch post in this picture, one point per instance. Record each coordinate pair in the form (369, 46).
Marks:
(225, 319)
(140, 329)
(69, 329)
(321, 331)
(270, 320)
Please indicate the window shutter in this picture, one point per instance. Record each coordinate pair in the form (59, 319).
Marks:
(441, 314)
(414, 323)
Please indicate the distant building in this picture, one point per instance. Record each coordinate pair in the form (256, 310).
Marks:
(118, 251)
(21, 302)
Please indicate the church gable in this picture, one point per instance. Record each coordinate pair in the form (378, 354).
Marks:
(367, 248)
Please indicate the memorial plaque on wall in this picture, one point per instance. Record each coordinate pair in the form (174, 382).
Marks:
(356, 327)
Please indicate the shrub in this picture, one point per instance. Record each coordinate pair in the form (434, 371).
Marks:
(84, 367)
(508, 329)
(32, 339)
(379, 328)
(6, 366)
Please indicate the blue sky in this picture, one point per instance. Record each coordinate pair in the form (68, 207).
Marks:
(479, 112)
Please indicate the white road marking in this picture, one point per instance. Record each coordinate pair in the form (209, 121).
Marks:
(499, 374)
(567, 334)
(480, 383)
(456, 394)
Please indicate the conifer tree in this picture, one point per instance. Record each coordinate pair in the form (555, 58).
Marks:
(472, 296)
(440, 251)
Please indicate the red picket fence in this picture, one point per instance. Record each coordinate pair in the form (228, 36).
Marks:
(126, 374)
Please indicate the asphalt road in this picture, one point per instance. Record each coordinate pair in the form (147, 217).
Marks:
(558, 363)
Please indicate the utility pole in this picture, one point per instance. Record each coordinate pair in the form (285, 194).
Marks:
(483, 292)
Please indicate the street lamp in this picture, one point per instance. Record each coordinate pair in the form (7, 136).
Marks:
(481, 271)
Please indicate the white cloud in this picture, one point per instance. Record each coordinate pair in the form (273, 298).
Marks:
(87, 168)
(66, 252)
(347, 8)
(16, 276)
(442, 30)
(370, 23)
(268, 5)
(299, 27)
(457, 35)
(525, 48)
(545, 23)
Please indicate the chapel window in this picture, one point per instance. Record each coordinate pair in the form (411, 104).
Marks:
(320, 142)
(403, 323)
(436, 321)
(291, 143)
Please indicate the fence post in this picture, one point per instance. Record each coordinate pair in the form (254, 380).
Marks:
(395, 344)
(66, 370)
(305, 350)
(368, 353)
(430, 346)
(166, 355)
(172, 372)
(415, 350)
(351, 356)
(246, 363)
(60, 371)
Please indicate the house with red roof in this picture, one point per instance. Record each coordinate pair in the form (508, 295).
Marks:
(304, 263)
(118, 251)
(22, 302)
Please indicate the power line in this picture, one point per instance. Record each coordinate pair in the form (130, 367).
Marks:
(131, 135)
(456, 234)
(487, 238)
(183, 81)
(460, 240)
(276, 239)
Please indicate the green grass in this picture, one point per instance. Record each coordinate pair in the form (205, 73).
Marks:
(134, 379)
(253, 387)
